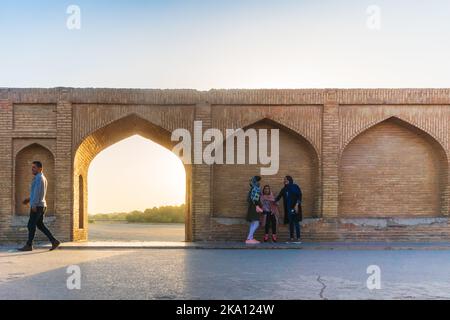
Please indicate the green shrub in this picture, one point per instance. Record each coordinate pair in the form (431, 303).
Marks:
(164, 214)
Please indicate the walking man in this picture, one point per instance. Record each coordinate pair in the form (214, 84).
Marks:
(38, 207)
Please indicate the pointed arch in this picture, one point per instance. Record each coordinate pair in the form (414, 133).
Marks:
(393, 118)
(119, 129)
(23, 177)
(297, 157)
(285, 127)
(37, 144)
(393, 168)
(95, 142)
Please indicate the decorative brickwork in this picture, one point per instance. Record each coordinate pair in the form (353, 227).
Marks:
(23, 177)
(373, 163)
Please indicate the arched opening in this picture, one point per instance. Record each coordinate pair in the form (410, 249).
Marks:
(23, 176)
(393, 169)
(122, 147)
(81, 202)
(298, 159)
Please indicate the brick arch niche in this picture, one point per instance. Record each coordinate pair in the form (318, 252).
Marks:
(23, 176)
(393, 169)
(298, 158)
(96, 142)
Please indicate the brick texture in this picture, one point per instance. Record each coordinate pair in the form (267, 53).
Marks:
(412, 162)
(373, 163)
(23, 177)
(25, 115)
(231, 182)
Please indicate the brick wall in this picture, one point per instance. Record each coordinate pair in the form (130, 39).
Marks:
(64, 222)
(348, 149)
(25, 115)
(6, 169)
(298, 159)
(390, 170)
(23, 177)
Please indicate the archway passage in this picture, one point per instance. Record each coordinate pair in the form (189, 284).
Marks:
(393, 169)
(297, 159)
(23, 176)
(108, 136)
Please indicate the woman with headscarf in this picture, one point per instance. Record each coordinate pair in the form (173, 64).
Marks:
(254, 209)
(270, 214)
(292, 200)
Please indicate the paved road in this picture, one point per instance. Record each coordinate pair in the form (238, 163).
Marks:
(225, 274)
(121, 231)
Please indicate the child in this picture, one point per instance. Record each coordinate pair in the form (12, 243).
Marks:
(270, 213)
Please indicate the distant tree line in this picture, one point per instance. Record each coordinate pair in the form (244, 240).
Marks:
(164, 214)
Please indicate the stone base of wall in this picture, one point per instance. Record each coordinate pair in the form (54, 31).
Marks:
(313, 230)
(18, 232)
(346, 230)
(80, 235)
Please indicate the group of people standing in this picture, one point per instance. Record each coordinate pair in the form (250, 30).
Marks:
(263, 209)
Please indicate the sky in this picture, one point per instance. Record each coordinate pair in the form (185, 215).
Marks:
(205, 44)
(145, 175)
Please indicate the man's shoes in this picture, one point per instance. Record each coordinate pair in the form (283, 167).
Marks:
(55, 244)
(26, 248)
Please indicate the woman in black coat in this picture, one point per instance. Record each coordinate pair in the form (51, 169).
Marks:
(292, 199)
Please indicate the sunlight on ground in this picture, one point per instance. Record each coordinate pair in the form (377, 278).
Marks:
(135, 174)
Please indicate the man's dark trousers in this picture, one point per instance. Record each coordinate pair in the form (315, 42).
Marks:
(37, 220)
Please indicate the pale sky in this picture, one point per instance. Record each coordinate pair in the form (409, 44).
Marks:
(135, 174)
(204, 44)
